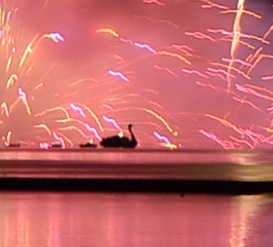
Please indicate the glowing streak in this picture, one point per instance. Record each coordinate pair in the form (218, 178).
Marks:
(268, 140)
(213, 5)
(112, 121)
(267, 78)
(94, 131)
(161, 119)
(268, 130)
(13, 105)
(119, 74)
(7, 140)
(167, 145)
(44, 145)
(231, 35)
(184, 48)
(236, 61)
(8, 16)
(251, 57)
(74, 128)
(243, 11)
(213, 87)
(24, 99)
(29, 70)
(226, 123)
(243, 101)
(222, 31)
(82, 80)
(11, 80)
(247, 44)
(145, 46)
(108, 107)
(154, 1)
(67, 140)
(175, 55)
(38, 86)
(108, 30)
(5, 109)
(268, 32)
(56, 37)
(90, 129)
(254, 136)
(8, 64)
(166, 69)
(165, 139)
(119, 59)
(76, 108)
(43, 126)
(160, 21)
(253, 92)
(200, 35)
(260, 57)
(58, 138)
(27, 51)
(260, 89)
(194, 72)
(255, 38)
(94, 116)
(139, 45)
(236, 38)
(57, 108)
(224, 144)
(216, 75)
(218, 71)
(230, 67)
(270, 109)
(242, 141)
(161, 138)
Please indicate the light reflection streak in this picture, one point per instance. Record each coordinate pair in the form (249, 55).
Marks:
(154, 1)
(210, 4)
(76, 108)
(166, 141)
(112, 121)
(245, 210)
(60, 139)
(23, 96)
(118, 74)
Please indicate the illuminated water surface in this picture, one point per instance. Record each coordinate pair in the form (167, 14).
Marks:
(104, 219)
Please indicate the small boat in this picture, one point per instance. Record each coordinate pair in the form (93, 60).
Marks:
(56, 145)
(88, 145)
(13, 145)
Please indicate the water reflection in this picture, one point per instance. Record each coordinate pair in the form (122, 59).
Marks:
(104, 219)
(247, 211)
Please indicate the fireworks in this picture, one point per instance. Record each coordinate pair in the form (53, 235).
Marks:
(187, 74)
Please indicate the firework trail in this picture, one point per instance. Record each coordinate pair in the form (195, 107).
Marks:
(195, 78)
(236, 38)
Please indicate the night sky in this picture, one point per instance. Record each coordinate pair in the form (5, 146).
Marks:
(74, 71)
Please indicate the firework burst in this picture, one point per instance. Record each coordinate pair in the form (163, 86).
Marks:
(195, 78)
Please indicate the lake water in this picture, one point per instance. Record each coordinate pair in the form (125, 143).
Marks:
(31, 219)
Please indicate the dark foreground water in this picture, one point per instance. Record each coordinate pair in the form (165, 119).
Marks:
(31, 219)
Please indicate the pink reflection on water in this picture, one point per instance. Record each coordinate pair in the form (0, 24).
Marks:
(95, 219)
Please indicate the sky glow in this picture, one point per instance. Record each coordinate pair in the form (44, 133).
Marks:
(187, 74)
